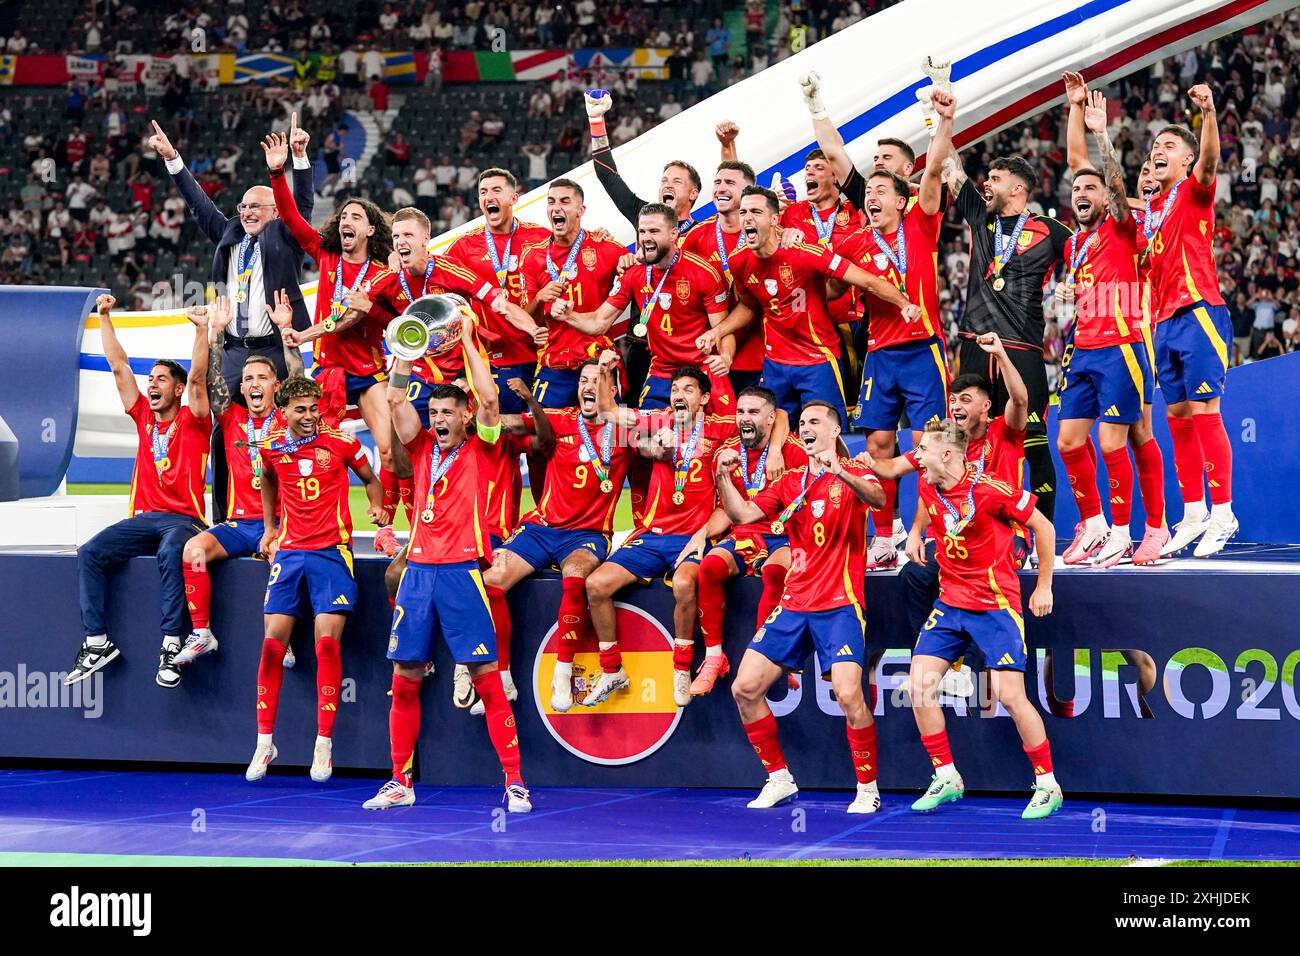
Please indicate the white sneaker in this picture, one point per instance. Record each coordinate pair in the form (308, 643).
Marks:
(262, 758)
(199, 642)
(609, 683)
(899, 534)
(958, 682)
(391, 794)
(561, 693)
(1089, 536)
(1185, 532)
(322, 760)
(867, 800)
(883, 555)
(780, 787)
(1218, 530)
(1118, 546)
(517, 799)
(508, 682)
(462, 688)
(681, 688)
(289, 660)
(169, 674)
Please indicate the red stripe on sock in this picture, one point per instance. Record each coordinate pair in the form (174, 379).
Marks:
(392, 486)
(329, 675)
(270, 673)
(1119, 472)
(862, 745)
(683, 655)
(1189, 458)
(198, 592)
(501, 622)
(762, 735)
(1218, 456)
(404, 726)
(936, 745)
(500, 724)
(1082, 472)
(1040, 758)
(611, 659)
(573, 618)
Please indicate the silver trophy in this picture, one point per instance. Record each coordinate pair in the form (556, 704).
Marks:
(430, 326)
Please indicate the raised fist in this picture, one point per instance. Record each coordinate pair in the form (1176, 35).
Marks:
(597, 105)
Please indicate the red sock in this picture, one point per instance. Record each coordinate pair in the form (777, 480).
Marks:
(574, 617)
(1082, 472)
(329, 674)
(1151, 479)
(407, 492)
(1119, 469)
(1189, 458)
(392, 486)
(501, 621)
(270, 672)
(936, 745)
(404, 726)
(611, 659)
(198, 592)
(500, 723)
(1040, 757)
(1218, 456)
(773, 586)
(712, 599)
(1092, 450)
(683, 655)
(763, 736)
(862, 744)
(884, 515)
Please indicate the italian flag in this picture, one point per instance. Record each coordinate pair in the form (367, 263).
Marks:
(516, 65)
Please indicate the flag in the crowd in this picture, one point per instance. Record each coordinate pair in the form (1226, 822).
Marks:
(400, 67)
(83, 67)
(517, 65)
(8, 66)
(262, 67)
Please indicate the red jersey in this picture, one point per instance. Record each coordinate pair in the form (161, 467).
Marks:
(842, 222)
(1107, 290)
(313, 488)
(921, 236)
(663, 513)
(688, 294)
(828, 537)
(796, 456)
(244, 465)
(507, 345)
(977, 570)
(595, 266)
(458, 531)
(171, 479)
(358, 349)
(1182, 250)
(1002, 449)
(505, 483)
(573, 498)
(716, 246)
(789, 289)
(390, 295)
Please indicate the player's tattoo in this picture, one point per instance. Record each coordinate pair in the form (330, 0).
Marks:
(218, 390)
(293, 361)
(1114, 174)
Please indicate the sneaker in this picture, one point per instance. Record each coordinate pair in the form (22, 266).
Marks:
(262, 758)
(322, 760)
(867, 800)
(169, 673)
(1088, 539)
(91, 659)
(386, 542)
(462, 688)
(779, 788)
(1153, 541)
(607, 684)
(1218, 531)
(957, 682)
(1044, 802)
(713, 669)
(392, 794)
(561, 693)
(196, 645)
(289, 659)
(1118, 546)
(1185, 532)
(517, 799)
(941, 790)
(681, 688)
(883, 555)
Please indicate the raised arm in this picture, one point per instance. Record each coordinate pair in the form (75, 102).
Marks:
(888, 469)
(588, 323)
(602, 158)
(930, 197)
(406, 420)
(196, 386)
(1076, 140)
(1016, 413)
(282, 317)
(866, 488)
(727, 131)
(1207, 163)
(304, 175)
(276, 149)
(608, 409)
(1094, 117)
(737, 507)
(828, 136)
(480, 380)
(201, 207)
(542, 441)
(219, 317)
(123, 377)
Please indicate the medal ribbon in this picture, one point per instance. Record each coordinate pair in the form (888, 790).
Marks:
(897, 259)
(501, 270)
(825, 226)
(291, 446)
(789, 510)
(1004, 248)
(1151, 222)
(246, 263)
(428, 271)
(569, 272)
(338, 306)
(724, 257)
(255, 438)
(1078, 254)
(647, 307)
(599, 463)
(439, 466)
(957, 521)
(754, 484)
(685, 454)
(161, 443)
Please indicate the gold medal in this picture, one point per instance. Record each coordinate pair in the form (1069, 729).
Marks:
(998, 283)
(607, 486)
(163, 465)
(240, 296)
(427, 516)
(329, 323)
(640, 329)
(678, 497)
(1144, 257)
(257, 482)
(778, 527)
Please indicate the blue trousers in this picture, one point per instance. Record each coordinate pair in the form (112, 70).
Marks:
(150, 533)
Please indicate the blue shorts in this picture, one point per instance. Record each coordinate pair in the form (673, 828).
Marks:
(650, 556)
(998, 633)
(796, 385)
(655, 393)
(557, 387)
(446, 599)
(787, 637)
(356, 385)
(239, 539)
(751, 550)
(1192, 353)
(542, 547)
(912, 377)
(328, 576)
(1110, 383)
(512, 404)
(417, 393)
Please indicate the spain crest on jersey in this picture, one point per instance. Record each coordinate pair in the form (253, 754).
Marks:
(786, 274)
(684, 289)
(842, 217)
(323, 457)
(835, 491)
(589, 258)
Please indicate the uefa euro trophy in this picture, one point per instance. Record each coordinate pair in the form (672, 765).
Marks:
(429, 326)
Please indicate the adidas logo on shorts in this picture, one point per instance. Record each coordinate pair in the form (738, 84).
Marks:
(341, 600)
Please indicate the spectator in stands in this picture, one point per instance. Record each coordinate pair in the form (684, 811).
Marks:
(537, 154)
(426, 188)
(378, 95)
(373, 64)
(78, 194)
(59, 221)
(466, 177)
(493, 127)
(719, 43)
(470, 131)
(539, 105)
(99, 170)
(16, 43)
(445, 173)
(397, 152)
(227, 163)
(702, 75)
(350, 68)
(670, 107)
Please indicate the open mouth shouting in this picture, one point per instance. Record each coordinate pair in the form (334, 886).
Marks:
(667, 197)
(874, 211)
(405, 252)
(681, 411)
(588, 399)
(1083, 209)
(256, 397)
(751, 235)
(748, 431)
(442, 432)
(155, 396)
(559, 221)
(809, 439)
(347, 237)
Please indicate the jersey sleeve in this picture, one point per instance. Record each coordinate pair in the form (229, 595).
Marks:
(139, 411)
(1202, 196)
(620, 294)
(858, 469)
(824, 261)
(774, 497)
(910, 455)
(926, 224)
(419, 445)
(356, 454)
(1006, 502)
(970, 205)
(531, 271)
(854, 189)
(716, 291)
(454, 276)
(1059, 233)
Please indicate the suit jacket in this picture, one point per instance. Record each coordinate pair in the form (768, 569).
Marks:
(281, 255)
